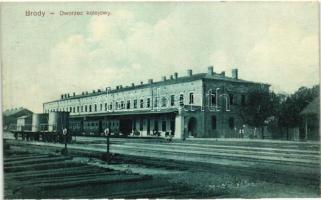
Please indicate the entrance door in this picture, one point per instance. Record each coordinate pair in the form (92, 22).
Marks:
(192, 126)
(125, 126)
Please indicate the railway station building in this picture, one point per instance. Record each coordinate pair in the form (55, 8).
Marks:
(193, 105)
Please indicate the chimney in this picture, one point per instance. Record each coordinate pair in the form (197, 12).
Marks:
(74, 94)
(86, 92)
(210, 70)
(94, 91)
(171, 77)
(189, 72)
(62, 96)
(120, 86)
(68, 95)
(164, 78)
(150, 81)
(133, 84)
(99, 90)
(117, 87)
(223, 73)
(176, 75)
(82, 93)
(141, 82)
(235, 73)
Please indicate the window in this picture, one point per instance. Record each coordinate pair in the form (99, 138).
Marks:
(134, 125)
(164, 102)
(148, 126)
(128, 104)
(135, 103)
(213, 98)
(172, 126)
(77, 109)
(231, 122)
(85, 108)
(70, 109)
(122, 105)
(231, 96)
(148, 102)
(181, 99)
(156, 102)
(106, 106)
(172, 100)
(95, 106)
(101, 107)
(116, 106)
(243, 101)
(141, 124)
(163, 125)
(191, 98)
(213, 122)
(89, 108)
(156, 125)
(110, 106)
(142, 103)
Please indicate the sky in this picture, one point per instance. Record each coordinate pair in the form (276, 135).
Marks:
(44, 57)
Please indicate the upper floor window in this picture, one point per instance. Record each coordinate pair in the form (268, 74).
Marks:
(148, 102)
(85, 108)
(181, 99)
(101, 107)
(77, 109)
(243, 100)
(128, 104)
(172, 100)
(213, 98)
(164, 102)
(89, 108)
(95, 106)
(231, 97)
(135, 103)
(191, 98)
(110, 106)
(122, 105)
(141, 103)
(156, 102)
(106, 106)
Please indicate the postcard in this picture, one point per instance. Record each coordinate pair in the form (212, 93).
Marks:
(166, 100)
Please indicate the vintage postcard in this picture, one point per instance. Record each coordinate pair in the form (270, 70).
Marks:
(165, 100)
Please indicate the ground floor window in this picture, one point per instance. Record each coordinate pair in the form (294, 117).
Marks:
(213, 122)
(231, 122)
(163, 125)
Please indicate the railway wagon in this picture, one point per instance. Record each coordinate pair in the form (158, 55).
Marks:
(45, 127)
(93, 127)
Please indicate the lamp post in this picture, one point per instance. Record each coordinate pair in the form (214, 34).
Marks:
(64, 132)
(107, 134)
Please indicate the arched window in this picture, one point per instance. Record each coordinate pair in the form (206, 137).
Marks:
(231, 122)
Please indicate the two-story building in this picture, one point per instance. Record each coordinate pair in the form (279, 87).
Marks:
(199, 105)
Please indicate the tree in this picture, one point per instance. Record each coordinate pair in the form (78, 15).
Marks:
(261, 104)
(291, 108)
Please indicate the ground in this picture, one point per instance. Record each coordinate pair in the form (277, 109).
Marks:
(158, 169)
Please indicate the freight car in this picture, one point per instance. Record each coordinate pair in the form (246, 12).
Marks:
(47, 127)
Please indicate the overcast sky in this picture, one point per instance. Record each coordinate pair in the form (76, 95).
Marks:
(43, 57)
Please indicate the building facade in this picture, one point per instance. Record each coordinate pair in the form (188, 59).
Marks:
(193, 105)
